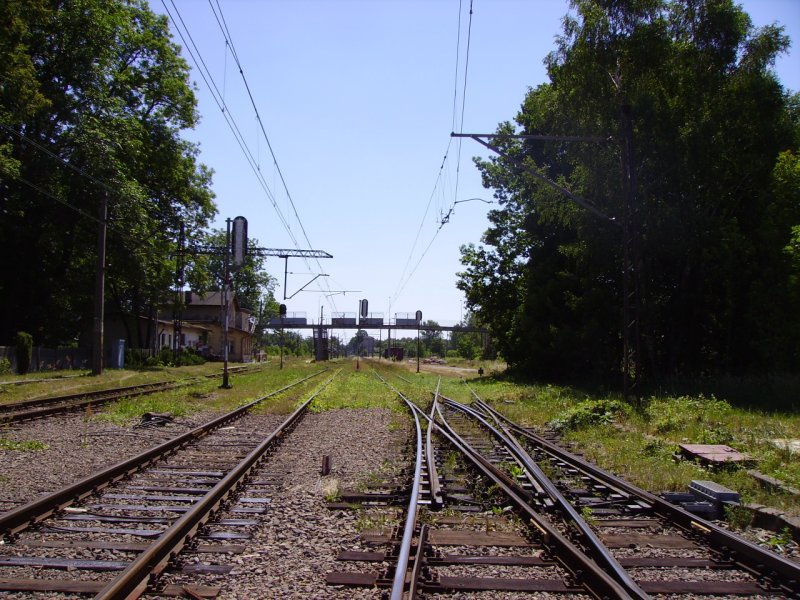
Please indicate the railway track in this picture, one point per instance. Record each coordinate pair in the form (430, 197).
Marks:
(479, 501)
(111, 534)
(38, 408)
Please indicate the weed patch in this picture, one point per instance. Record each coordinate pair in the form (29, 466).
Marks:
(589, 413)
(23, 446)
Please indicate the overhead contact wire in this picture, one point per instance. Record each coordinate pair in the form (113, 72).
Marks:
(223, 25)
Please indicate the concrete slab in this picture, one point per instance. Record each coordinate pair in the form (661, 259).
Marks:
(714, 453)
(792, 446)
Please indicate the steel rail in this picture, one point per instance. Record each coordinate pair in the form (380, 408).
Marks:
(22, 517)
(570, 556)
(595, 579)
(23, 404)
(133, 581)
(419, 560)
(399, 580)
(44, 407)
(601, 554)
(53, 408)
(433, 475)
(746, 555)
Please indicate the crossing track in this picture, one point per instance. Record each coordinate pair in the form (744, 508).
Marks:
(634, 545)
(167, 496)
(613, 496)
(569, 570)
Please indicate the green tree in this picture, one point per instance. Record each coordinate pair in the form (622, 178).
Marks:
(432, 341)
(695, 121)
(93, 100)
(468, 344)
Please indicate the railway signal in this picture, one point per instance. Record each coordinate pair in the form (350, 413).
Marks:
(239, 241)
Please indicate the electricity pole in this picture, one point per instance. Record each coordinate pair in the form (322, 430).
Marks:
(225, 380)
(99, 289)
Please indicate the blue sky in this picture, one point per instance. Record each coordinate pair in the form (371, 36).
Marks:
(357, 100)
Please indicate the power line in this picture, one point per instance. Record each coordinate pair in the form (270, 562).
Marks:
(439, 180)
(223, 26)
(422, 222)
(134, 243)
(463, 104)
(99, 182)
(219, 99)
(208, 79)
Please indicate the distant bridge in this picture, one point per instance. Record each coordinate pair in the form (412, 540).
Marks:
(299, 321)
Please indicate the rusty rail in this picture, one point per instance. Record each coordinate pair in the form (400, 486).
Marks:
(132, 582)
(759, 562)
(22, 517)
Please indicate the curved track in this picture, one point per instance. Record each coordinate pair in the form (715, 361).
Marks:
(580, 531)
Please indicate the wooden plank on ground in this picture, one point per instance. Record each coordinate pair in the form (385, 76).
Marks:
(64, 586)
(634, 540)
(502, 584)
(63, 563)
(447, 537)
(351, 579)
(697, 588)
(116, 546)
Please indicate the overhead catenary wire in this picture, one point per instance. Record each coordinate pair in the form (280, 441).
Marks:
(223, 25)
(404, 280)
(218, 97)
(208, 79)
(463, 108)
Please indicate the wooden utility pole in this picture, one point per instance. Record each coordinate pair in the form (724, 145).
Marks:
(225, 309)
(177, 316)
(99, 289)
(632, 264)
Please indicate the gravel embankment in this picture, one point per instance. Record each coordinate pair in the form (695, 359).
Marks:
(298, 539)
(74, 447)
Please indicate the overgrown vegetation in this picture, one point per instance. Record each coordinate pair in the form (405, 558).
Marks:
(22, 446)
(589, 413)
(641, 444)
(165, 358)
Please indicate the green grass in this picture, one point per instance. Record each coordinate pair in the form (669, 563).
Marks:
(356, 388)
(23, 446)
(64, 384)
(207, 395)
(635, 443)
(640, 444)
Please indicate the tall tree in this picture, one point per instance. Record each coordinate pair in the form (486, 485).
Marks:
(695, 121)
(98, 100)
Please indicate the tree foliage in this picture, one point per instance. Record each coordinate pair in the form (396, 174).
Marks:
(93, 99)
(682, 91)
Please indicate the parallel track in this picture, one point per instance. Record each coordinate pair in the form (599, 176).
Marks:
(38, 408)
(168, 495)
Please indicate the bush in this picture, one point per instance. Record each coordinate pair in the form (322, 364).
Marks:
(588, 413)
(5, 366)
(187, 356)
(24, 343)
(133, 360)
